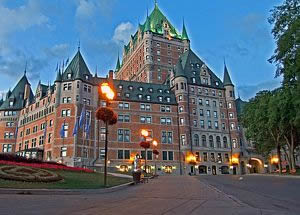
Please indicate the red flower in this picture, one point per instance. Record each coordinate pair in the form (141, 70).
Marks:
(145, 145)
(156, 152)
(113, 120)
(105, 114)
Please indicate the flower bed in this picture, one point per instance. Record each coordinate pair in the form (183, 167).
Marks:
(18, 173)
(45, 166)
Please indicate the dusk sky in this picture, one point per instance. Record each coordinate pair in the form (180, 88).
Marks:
(44, 33)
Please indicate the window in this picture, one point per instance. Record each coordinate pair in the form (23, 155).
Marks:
(225, 142)
(148, 98)
(211, 141)
(63, 151)
(201, 123)
(140, 96)
(102, 133)
(231, 116)
(65, 113)
(204, 141)
(207, 102)
(66, 127)
(165, 120)
(33, 142)
(200, 102)
(165, 108)
(167, 137)
(214, 103)
(123, 135)
(180, 109)
(41, 140)
(234, 144)
(201, 112)
(51, 123)
(49, 137)
(196, 140)
(226, 158)
(66, 100)
(168, 99)
(181, 121)
(208, 113)
(193, 101)
(67, 86)
(183, 139)
(124, 105)
(123, 118)
(216, 125)
(194, 111)
(232, 126)
(123, 154)
(204, 156)
(195, 123)
(180, 98)
(193, 81)
(9, 124)
(215, 114)
(160, 98)
(223, 126)
(229, 105)
(102, 154)
(209, 124)
(7, 148)
(218, 140)
(168, 155)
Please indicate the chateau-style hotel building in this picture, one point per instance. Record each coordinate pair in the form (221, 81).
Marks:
(161, 86)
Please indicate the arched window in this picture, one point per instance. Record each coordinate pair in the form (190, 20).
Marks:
(196, 140)
(218, 139)
(225, 142)
(211, 141)
(203, 140)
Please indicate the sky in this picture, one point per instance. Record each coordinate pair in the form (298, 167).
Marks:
(45, 33)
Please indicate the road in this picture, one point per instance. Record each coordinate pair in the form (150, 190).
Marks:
(281, 194)
(166, 195)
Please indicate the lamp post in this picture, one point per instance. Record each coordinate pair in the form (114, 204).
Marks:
(106, 115)
(155, 152)
(145, 145)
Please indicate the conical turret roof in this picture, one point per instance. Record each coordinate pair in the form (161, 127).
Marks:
(226, 80)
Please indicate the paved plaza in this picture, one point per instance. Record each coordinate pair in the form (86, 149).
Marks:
(165, 195)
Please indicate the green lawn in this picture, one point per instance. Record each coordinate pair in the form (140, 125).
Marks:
(72, 180)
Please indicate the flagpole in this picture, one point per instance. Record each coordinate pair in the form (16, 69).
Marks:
(63, 139)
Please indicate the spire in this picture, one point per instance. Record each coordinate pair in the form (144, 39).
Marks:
(118, 66)
(25, 68)
(226, 80)
(147, 24)
(79, 45)
(96, 73)
(58, 77)
(184, 34)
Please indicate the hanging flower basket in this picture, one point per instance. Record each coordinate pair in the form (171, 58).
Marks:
(113, 120)
(105, 114)
(156, 152)
(145, 145)
(193, 162)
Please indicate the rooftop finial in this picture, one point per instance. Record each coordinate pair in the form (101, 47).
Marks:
(155, 2)
(25, 68)
(79, 45)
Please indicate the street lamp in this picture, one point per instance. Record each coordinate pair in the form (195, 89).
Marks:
(156, 153)
(145, 144)
(108, 116)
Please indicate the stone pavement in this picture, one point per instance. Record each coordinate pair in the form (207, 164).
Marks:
(164, 195)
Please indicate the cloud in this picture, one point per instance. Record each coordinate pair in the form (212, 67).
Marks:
(85, 9)
(88, 8)
(21, 18)
(249, 91)
(123, 32)
(58, 51)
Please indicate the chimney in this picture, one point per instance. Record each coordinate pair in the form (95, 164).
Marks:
(111, 74)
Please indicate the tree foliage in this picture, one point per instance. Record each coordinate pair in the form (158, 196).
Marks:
(286, 31)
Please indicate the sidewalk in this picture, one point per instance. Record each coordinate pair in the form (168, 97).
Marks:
(274, 175)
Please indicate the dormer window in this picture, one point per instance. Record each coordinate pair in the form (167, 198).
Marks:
(168, 99)
(127, 95)
(194, 73)
(160, 90)
(11, 103)
(120, 87)
(160, 98)
(193, 80)
(140, 96)
(69, 75)
(150, 90)
(167, 91)
(148, 98)
(140, 89)
(217, 83)
(130, 87)
(198, 65)
(86, 77)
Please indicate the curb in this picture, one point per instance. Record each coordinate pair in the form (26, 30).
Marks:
(275, 175)
(64, 191)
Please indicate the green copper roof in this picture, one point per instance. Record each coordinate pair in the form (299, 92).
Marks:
(58, 77)
(77, 68)
(17, 96)
(184, 34)
(226, 80)
(156, 21)
(190, 68)
(118, 66)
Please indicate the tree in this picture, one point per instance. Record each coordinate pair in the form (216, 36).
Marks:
(260, 117)
(286, 24)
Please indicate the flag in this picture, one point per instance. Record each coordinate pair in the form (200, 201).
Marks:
(87, 129)
(16, 131)
(82, 117)
(62, 130)
(45, 130)
(75, 130)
